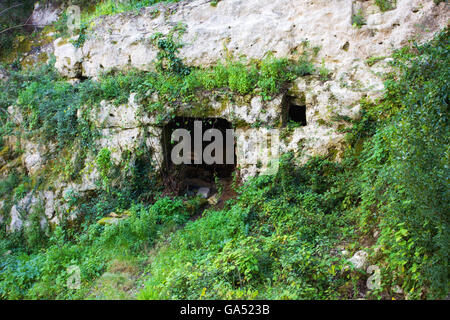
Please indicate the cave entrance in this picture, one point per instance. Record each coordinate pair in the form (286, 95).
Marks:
(295, 111)
(196, 173)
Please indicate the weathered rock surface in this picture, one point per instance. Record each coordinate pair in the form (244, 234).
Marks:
(42, 200)
(255, 27)
(44, 14)
(69, 58)
(250, 28)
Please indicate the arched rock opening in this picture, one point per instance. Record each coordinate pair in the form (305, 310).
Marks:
(195, 172)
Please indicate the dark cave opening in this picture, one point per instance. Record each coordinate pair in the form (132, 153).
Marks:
(294, 110)
(188, 178)
(297, 114)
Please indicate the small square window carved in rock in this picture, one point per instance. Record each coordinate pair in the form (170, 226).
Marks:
(294, 111)
(297, 114)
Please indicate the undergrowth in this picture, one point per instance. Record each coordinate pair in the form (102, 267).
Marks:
(278, 239)
(282, 237)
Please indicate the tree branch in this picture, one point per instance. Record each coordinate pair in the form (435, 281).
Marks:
(17, 5)
(18, 26)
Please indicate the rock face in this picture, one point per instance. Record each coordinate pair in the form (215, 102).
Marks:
(44, 14)
(250, 28)
(69, 58)
(255, 27)
(42, 200)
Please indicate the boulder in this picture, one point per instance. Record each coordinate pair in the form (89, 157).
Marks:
(44, 14)
(70, 58)
(204, 192)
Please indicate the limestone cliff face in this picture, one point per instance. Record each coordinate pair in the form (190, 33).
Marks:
(255, 27)
(251, 28)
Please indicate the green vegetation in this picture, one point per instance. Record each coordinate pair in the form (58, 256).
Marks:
(373, 60)
(358, 19)
(405, 171)
(280, 238)
(276, 239)
(13, 15)
(386, 5)
(104, 165)
(324, 73)
(91, 10)
(44, 273)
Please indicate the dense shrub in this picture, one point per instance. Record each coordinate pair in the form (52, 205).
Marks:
(13, 15)
(274, 241)
(44, 273)
(280, 237)
(405, 171)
